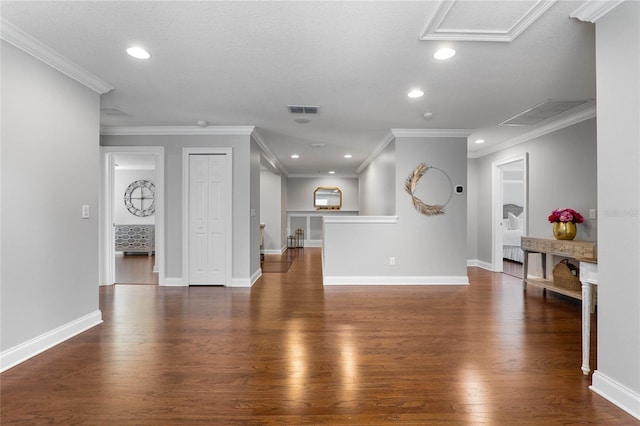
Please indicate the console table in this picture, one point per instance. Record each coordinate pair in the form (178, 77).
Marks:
(583, 251)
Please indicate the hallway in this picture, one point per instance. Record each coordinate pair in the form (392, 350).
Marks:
(290, 351)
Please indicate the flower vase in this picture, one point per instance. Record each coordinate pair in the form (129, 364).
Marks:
(564, 230)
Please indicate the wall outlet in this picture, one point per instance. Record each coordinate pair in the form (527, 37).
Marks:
(85, 211)
(592, 213)
(392, 261)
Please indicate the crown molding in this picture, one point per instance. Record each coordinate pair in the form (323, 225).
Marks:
(592, 10)
(431, 133)
(23, 41)
(381, 146)
(560, 124)
(268, 155)
(176, 130)
(434, 32)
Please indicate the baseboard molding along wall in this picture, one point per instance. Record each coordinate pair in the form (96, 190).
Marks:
(397, 280)
(275, 251)
(616, 393)
(18, 354)
(480, 264)
(174, 282)
(246, 282)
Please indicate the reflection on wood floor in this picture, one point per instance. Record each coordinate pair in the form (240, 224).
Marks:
(290, 351)
(512, 268)
(279, 262)
(135, 269)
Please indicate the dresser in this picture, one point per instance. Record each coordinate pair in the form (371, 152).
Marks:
(585, 253)
(135, 238)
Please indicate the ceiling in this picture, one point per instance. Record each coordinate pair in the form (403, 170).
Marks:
(240, 63)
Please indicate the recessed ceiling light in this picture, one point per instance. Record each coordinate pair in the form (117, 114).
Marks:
(331, 172)
(415, 93)
(444, 53)
(302, 120)
(348, 156)
(480, 141)
(428, 115)
(138, 52)
(295, 156)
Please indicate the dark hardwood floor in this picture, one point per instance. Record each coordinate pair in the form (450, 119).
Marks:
(290, 351)
(135, 269)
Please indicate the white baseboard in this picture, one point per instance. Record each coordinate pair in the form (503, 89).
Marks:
(616, 393)
(396, 280)
(313, 243)
(174, 282)
(480, 264)
(18, 354)
(246, 282)
(281, 250)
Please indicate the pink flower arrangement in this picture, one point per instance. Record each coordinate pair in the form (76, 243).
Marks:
(565, 215)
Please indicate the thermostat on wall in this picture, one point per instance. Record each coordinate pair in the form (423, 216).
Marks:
(459, 189)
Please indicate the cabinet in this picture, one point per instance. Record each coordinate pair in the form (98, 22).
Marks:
(579, 250)
(135, 238)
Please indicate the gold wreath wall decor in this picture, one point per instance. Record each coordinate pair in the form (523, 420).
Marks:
(410, 187)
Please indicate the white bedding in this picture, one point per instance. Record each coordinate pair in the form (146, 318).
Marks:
(511, 245)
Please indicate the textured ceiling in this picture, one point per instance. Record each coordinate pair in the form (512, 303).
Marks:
(241, 63)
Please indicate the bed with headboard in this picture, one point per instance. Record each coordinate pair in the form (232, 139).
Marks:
(512, 225)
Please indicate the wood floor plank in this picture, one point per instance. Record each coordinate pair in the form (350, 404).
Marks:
(291, 352)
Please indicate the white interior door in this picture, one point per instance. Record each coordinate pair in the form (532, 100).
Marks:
(207, 219)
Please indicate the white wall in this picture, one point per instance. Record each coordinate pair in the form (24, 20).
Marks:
(618, 93)
(50, 168)
(472, 209)
(242, 195)
(300, 192)
(271, 211)
(426, 249)
(254, 223)
(122, 179)
(377, 184)
(562, 173)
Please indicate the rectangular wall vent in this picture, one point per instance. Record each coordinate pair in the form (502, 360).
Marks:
(541, 112)
(302, 109)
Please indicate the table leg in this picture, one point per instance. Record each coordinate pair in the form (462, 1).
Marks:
(586, 327)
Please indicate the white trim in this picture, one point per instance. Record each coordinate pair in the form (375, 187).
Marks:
(175, 130)
(174, 282)
(185, 208)
(479, 264)
(23, 41)
(360, 219)
(381, 146)
(592, 10)
(313, 243)
(107, 247)
(431, 133)
(268, 155)
(434, 32)
(316, 176)
(22, 352)
(618, 394)
(275, 251)
(556, 125)
(246, 282)
(396, 280)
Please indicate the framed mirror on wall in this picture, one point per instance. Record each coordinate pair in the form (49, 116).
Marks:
(327, 198)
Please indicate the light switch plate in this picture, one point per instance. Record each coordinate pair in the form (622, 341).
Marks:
(85, 211)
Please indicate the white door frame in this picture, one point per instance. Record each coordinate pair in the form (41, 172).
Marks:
(228, 152)
(496, 206)
(107, 197)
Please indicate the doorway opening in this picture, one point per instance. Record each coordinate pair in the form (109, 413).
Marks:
(131, 230)
(510, 213)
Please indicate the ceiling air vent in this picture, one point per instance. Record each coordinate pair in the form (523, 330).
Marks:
(302, 109)
(541, 112)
